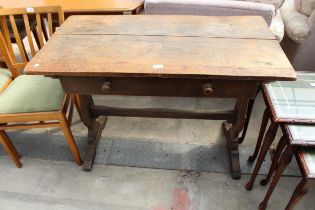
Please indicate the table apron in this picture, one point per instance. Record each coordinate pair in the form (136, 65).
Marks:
(172, 87)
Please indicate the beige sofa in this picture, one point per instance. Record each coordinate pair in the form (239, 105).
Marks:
(297, 16)
(269, 10)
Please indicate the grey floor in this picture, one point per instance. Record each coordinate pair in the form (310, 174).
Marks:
(152, 164)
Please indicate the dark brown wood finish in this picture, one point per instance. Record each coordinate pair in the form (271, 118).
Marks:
(204, 26)
(163, 56)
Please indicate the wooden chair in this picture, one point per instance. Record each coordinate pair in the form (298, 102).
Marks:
(32, 101)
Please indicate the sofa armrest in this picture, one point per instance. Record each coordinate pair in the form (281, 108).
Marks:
(296, 24)
(209, 8)
(277, 26)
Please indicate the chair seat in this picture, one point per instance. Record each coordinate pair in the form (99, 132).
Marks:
(29, 93)
(293, 99)
(5, 77)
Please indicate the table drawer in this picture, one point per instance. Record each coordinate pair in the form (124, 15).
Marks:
(160, 87)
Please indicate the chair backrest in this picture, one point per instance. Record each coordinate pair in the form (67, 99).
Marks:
(8, 24)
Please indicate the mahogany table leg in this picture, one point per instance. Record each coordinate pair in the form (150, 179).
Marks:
(275, 161)
(262, 131)
(299, 192)
(232, 131)
(270, 135)
(283, 163)
(248, 115)
(95, 130)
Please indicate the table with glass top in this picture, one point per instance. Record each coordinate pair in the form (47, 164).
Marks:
(298, 140)
(290, 106)
(292, 102)
(286, 102)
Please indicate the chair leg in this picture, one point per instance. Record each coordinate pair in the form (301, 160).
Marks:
(300, 190)
(263, 127)
(247, 118)
(280, 147)
(10, 149)
(270, 135)
(70, 139)
(283, 163)
(77, 105)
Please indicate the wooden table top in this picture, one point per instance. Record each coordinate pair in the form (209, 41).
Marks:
(164, 46)
(78, 5)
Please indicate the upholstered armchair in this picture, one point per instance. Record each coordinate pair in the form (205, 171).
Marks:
(268, 9)
(297, 16)
(304, 58)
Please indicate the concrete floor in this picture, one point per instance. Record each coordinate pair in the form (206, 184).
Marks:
(48, 181)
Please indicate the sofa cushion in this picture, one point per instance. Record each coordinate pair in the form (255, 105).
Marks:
(307, 7)
(29, 93)
(5, 79)
(209, 8)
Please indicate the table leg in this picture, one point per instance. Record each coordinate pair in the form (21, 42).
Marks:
(283, 163)
(299, 192)
(232, 130)
(248, 115)
(268, 139)
(95, 130)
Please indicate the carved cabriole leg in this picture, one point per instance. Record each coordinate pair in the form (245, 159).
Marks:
(263, 127)
(95, 130)
(232, 131)
(280, 147)
(300, 190)
(283, 163)
(270, 135)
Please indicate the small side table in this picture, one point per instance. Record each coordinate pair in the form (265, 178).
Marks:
(287, 102)
(296, 140)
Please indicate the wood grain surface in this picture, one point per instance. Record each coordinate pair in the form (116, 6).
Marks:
(149, 55)
(156, 25)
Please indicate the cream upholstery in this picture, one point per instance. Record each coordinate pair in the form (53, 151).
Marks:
(295, 23)
(306, 7)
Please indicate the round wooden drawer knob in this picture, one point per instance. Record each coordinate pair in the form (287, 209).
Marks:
(106, 87)
(207, 89)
